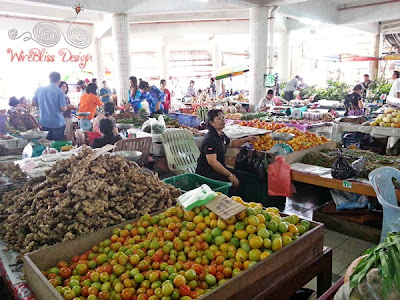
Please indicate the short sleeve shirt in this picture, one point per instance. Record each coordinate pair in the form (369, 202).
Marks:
(395, 88)
(351, 101)
(105, 91)
(89, 103)
(50, 100)
(292, 85)
(213, 143)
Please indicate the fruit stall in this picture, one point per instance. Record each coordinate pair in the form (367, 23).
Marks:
(76, 218)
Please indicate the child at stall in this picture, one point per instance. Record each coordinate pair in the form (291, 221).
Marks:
(108, 138)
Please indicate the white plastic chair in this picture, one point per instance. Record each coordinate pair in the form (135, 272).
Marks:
(381, 180)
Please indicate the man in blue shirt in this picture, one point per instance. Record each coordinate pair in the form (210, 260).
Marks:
(51, 102)
(105, 93)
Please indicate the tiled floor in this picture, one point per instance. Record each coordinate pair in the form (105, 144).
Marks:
(345, 248)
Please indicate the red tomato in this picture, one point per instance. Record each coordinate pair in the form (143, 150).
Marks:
(126, 294)
(65, 272)
(93, 291)
(85, 291)
(219, 276)
(194, 295)
(104, 296)
(62, 264)
(184, 290)
(197, 268)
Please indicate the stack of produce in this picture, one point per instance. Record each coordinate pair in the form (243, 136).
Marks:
(80, 195)
(253, 116)
(234, 116)
(127, 117)
(175, 254)
(326, 158)
(302, 140)
(391, 118)
(12, 171)
(263, 124)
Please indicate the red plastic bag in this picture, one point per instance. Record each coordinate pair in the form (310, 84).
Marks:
(279, 181)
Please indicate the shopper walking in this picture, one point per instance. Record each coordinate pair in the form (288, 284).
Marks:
(212, 87)
(51, 102)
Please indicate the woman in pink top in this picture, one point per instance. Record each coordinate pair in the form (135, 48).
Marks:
(167, 103)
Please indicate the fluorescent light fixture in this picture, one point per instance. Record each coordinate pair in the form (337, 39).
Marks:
(310, 21)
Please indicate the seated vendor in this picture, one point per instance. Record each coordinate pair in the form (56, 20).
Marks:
(266, 102)
(108, 138)
(211, 162)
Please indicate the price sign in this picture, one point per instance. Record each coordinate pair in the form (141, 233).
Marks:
(225, 207)
(347, 184)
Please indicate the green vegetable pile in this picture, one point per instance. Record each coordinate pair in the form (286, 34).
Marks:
(253, 116)
(326, 158)
(386, 258)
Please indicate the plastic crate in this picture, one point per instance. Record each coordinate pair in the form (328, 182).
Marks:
(187, 182)
(189, 120)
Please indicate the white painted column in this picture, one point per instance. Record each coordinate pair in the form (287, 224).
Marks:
(99, 62)
(164, 62)
(258, 53)
(120, 32)
(284, 57)
(375, 51)
(217, 63)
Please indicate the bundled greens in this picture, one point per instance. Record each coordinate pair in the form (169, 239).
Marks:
(253, 116)
(326, 158)
(385, 283)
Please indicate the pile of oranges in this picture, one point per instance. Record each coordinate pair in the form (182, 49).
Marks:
(302, 140)
(263, 124)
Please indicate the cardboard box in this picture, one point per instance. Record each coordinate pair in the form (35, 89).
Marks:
(244, 286)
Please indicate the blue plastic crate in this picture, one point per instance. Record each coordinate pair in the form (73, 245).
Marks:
(188, 120)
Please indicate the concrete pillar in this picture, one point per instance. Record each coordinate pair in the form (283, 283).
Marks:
(217, 63)
(284, 57)
(375, 52)
(120, 33)
(258, 53)
(100, 71)
(164, 56)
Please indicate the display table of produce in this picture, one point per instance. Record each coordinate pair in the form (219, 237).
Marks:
(321, 176)
(187, 254)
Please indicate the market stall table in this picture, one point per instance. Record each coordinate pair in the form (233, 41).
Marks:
(321, 176)
(393, 134)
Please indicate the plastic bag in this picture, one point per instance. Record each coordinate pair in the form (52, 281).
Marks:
(341, 168)
(358, 166)
(154, 126)
(197, 197)
(258, 166)
(346, 200)
(279, 181)
(241, 159)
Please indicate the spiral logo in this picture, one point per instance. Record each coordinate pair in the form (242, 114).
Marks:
(46, 34)
(13, 34)
(78, 37)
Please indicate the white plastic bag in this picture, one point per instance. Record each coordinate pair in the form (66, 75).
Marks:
(197, 197)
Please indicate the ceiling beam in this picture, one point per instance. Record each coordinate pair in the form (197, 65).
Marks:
(34, 10)
(97, 5)
(387, 12)
(321, 10)
(235, 14)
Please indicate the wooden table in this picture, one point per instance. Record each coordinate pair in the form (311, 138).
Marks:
(300, 275)
(343, 185)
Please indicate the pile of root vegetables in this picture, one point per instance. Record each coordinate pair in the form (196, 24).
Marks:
(79, 196)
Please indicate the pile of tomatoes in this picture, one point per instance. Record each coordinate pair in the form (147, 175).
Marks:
(302, 140)
(175, 254)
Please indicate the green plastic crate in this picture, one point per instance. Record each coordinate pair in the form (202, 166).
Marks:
(188, 182)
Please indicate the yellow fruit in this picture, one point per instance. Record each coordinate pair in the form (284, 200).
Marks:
(276, 244)
(207, 220)
(231, 220)
(241, 215)
(264, 255)
(198, 219)
(221, 223)
(253, 220)
(230, 228)
(286, 240)
(254, 254)
(213, 223)
(213, 215)
(227, 235)
(293, 229)
(251, 229)
(238, 199)
(289, 234)
(262, 225)
(241, 234)
(256, 242)
(276, 219)
(241, 255)
(261, 218)
(254, 204)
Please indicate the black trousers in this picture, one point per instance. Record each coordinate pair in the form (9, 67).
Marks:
(289, 96)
